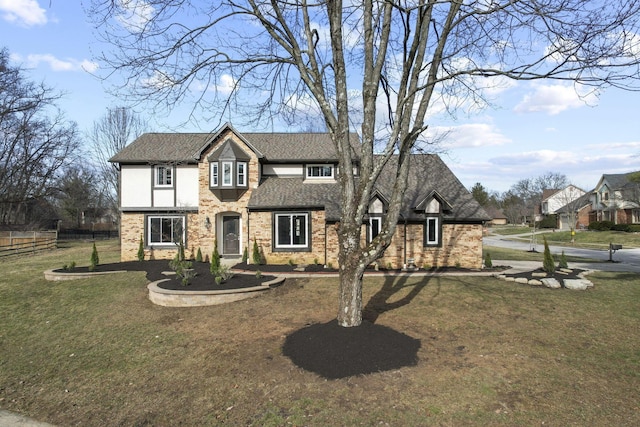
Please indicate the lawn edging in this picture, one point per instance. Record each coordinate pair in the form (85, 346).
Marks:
(54, 275)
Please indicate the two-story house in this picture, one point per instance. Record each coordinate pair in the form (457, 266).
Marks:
(617, 199)
(280, 190)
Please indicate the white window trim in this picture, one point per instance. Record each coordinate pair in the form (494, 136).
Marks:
(436, 224)
(243, 166)
(161, 217)
(277, 244)
(224, 176)
(214, 174)
(156, 180)
(371, 221)
(308, 169)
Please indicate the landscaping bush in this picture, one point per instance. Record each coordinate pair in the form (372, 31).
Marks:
(563, 261)
(95, 259)
(601, 225)
(215, 259)
(141, 249)
(487, 260)
(634, 228)
(621, 227)
(550, 221)
(199, 256)
(548, 264)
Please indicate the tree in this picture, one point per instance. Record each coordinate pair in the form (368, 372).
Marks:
(78, 197)
(376, 66)
(111, 133)
(36, 143)
(480, 194)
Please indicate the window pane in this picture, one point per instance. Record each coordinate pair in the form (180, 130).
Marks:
(166, 230)
(241, 174)
(284, 230)
(299, 230)
(214, 174)
(226, 173)
(154, 230)
(432, 230)
(375, 227)
(176, 226)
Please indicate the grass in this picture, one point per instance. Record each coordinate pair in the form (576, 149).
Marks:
(585, 239)
(97, 352)
(498, 253)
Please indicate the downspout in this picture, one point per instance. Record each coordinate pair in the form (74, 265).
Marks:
(404, 260)
(248, 235)
(325, 243)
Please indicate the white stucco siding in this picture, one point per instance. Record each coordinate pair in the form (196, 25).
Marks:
(163, 197)
(187, 186)
(282, 170)
(135, 186)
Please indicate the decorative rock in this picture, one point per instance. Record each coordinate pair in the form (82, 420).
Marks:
(510, 279)
(536, 274)
(534, 282)
(522, 280)
(577, 284)
(552, 283)
(566, 270)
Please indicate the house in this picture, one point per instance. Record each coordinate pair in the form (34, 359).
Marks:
(576, 213)
(554, 200)
(617, 199)
(279, 190)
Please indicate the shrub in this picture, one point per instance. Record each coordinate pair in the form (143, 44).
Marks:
(601, 225)
(95, 259)
(487, 261)
(563, 261)
(245, 254)
(141, 249)
(218, 280)
(621, 227)
(69, 267)
(634, 228)
(258, 274)
(215, 259)
(548, 264)
(550, 221)
(255, 255)
(199, 256)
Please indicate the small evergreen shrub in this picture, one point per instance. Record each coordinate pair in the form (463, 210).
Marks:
(621, 227)
(199, 255)
(245, 255)
(255, 255)
(601, 225)
(69, 267)
(218, 280)
(95, 259)
(215, 259)
(548, 264)
(487, 261)
(563, 261)
(550, 221)
(141, 249)
(258, 274)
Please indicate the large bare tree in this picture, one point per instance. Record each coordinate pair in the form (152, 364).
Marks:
(111, 133)
(376, 66)
(36, 143)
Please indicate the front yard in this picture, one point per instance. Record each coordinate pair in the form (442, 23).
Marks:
(97, 352)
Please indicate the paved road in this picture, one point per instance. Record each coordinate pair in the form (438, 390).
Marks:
(624, 259)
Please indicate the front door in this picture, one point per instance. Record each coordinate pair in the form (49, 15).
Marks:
(231, 235)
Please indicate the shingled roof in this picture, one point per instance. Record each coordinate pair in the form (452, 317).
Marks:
(428, 176)
(188, 147)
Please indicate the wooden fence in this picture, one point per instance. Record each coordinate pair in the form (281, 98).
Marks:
(21, 242)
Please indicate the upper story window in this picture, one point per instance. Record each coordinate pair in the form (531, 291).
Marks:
(228, 167)
(319, 171)
(163, 176)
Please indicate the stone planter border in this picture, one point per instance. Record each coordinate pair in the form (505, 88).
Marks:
(53, 275)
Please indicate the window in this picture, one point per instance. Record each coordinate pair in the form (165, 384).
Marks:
(374, 227)
(165, 230)
(242, 174)
(227, 168)
(291, 231)
(164, 176)
(214, 174)
(432, 231)
(320, 171)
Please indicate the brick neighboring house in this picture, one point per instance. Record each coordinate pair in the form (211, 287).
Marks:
(616, 198)
(563, 203)
(280, 190)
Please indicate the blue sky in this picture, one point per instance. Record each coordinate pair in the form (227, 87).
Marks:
(532, 128)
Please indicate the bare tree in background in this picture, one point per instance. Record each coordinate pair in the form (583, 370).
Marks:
(111, 133)
(376, 66)
(36, 144)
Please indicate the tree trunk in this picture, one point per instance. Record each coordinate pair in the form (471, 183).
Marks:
(351, 273)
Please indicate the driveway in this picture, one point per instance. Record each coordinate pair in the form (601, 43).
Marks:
(624, 259)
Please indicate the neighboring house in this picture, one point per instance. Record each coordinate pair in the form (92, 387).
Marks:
(497, 216)
(577, 212)
(280, 191)
(554, 200)
(617, 199)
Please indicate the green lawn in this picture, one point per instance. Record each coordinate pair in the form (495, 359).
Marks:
(583, 238)
(96, 352)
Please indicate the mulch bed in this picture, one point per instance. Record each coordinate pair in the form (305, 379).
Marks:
(574, 273)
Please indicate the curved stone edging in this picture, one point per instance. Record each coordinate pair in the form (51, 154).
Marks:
(173, 298)
(580, 284)
(53, 275)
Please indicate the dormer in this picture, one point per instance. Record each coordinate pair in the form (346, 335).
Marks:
(229, 170)
(319, 172)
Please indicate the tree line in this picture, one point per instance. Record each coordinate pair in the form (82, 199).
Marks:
(50, 172)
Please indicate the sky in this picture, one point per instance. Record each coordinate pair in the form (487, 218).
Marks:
(531, 128)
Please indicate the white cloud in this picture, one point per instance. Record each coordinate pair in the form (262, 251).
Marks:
(26, 13)
(134, 14)
(469, 135)
(56, 64)
(555, 98)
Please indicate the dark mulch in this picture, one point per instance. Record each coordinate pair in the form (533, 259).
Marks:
(203, 281)
(284, 268)
(334, 352)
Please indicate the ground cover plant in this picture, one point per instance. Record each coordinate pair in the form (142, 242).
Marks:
(97, 352)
